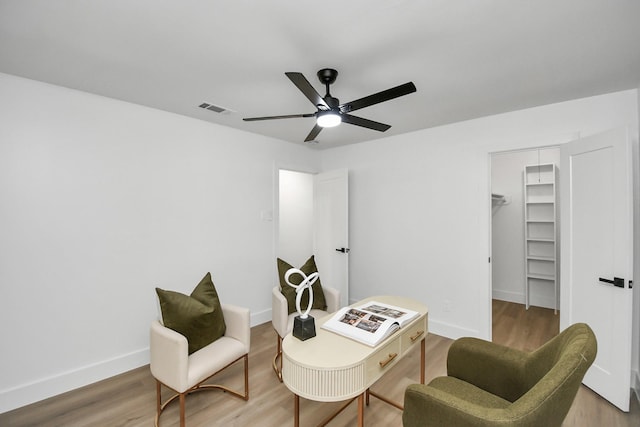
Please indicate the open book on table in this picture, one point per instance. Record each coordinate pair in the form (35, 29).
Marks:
(369, 323)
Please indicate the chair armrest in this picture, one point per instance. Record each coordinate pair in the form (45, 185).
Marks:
(238, 323)
(279, 311)
(426, 406)
(169, 356)
(332, 298)
(492, 367)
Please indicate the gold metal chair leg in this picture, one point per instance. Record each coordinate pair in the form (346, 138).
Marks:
(277, 359)
(158, 397)
(246, 377)
(182, 417)
(201, 387)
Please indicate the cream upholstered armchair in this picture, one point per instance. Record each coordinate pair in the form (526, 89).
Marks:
(185, 373)
(283, 306)
(283, 321)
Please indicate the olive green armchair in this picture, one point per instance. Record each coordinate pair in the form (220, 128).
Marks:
(491, 385)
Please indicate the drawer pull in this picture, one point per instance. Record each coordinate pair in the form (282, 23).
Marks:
(416, 336)
(385, 362)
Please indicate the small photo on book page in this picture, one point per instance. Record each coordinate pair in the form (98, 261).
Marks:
(384, 311)
(359, 319)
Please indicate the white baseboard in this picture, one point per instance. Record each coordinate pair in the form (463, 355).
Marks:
(542, 302)
(508, 296)
(451, 331)
(260, 317)
(44, 388)
(537, 301)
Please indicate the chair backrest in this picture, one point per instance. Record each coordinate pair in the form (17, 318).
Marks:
(555, 372)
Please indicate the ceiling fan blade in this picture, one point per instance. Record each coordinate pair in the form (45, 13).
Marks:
(365, 123)
(376, 98)
(313, 134)
(290, 116)
(305, 87)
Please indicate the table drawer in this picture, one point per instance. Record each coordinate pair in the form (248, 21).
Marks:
(413, 334)
(383, 359)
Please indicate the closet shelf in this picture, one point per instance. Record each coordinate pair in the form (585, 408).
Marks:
(541, 239)
(541, 258)
(547, 277)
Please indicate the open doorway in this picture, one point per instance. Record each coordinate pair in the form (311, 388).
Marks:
(295, 216)
(524, 247)
(313, 218)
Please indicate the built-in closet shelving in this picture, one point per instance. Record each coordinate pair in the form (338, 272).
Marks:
(540, 233)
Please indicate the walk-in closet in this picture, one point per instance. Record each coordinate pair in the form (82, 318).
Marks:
(525, 227)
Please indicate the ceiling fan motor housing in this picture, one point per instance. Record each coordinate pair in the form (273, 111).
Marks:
(327, 76)
(332, 102)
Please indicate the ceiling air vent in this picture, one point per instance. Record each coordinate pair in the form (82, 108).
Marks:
(216, 108)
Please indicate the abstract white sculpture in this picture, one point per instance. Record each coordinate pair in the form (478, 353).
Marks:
(304, 326)
(307, 282)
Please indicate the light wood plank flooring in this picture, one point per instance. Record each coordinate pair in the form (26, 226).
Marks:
(129, 399)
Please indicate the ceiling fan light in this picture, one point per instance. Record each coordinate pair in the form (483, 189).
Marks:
(328, 119)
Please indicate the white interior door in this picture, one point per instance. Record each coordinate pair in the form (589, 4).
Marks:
(331, 230)
(596, 218)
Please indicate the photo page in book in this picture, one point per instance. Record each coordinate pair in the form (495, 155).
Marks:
(369, 323)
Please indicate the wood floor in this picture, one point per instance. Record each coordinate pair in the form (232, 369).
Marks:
(129, 399)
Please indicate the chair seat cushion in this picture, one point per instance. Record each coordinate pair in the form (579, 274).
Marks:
(212, 358)
(290, 292)
(197, 316)
(468, 392)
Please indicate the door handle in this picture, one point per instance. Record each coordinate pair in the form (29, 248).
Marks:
(617, 281)
(343, 250)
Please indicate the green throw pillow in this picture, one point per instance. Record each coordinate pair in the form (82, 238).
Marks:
(198, 317)
(289, 292)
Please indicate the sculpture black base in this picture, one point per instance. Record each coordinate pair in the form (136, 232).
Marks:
(303, 329)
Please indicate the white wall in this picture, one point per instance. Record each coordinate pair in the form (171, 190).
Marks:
(295, 243)
(507, 236)
(102, 201)
(420, 205)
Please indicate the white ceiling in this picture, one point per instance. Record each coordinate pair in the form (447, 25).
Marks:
(468, 58)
